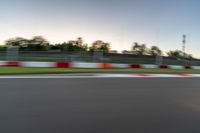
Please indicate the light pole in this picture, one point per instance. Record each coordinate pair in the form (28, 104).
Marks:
(184, 49)
(184, 44)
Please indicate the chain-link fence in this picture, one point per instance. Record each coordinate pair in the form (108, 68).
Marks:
(97, 56)
(12, 53)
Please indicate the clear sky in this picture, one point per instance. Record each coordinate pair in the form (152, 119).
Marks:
(120, 22)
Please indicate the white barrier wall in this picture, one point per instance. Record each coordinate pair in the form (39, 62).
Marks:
(120, 65)
(149, 66)
(196, 67)
(176, 67)
(85, 65)
(2, 63)
(38, 64)
(88, 65)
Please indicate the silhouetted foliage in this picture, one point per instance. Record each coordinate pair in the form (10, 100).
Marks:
(55, 47)
(179, 54)
(37, 43)
(18, 41)
(99, 45)
(74, 45)
(154, 51)
(2, 48)
(139, 49)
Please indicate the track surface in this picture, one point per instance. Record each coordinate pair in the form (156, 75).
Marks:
(122, 105)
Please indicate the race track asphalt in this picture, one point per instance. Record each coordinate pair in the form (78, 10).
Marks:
(111, 105)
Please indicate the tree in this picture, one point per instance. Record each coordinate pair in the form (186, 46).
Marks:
(139, 49)
(179, 54)
(79, 41)
(74, 45)
(18, 41)
(38, 43)
(68, 47)
(2, 48)
(155, 51)
(99, 45)
(56, 47)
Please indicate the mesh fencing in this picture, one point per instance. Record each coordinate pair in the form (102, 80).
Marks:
(93, 57)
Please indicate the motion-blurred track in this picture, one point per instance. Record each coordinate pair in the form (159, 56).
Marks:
(110, 105)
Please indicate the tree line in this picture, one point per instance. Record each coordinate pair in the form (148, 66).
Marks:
(142, 49)
(39, 43)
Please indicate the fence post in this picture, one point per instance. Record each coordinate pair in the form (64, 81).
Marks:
(12, 53)
(159, 60)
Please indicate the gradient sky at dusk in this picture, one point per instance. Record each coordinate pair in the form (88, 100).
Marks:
(120, 22)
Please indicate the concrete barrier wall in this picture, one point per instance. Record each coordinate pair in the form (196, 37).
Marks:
(176, 67)
(120, 65)
(149, 66)
(2, 63)
(91, 65)
(84, 65)
(196, 67)
(37, 64)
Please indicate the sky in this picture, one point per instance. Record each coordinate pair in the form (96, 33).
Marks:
(120, 22)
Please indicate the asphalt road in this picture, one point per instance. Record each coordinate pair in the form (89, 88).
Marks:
(122, 105)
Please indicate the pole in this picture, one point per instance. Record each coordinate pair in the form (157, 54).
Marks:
(184, 44)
